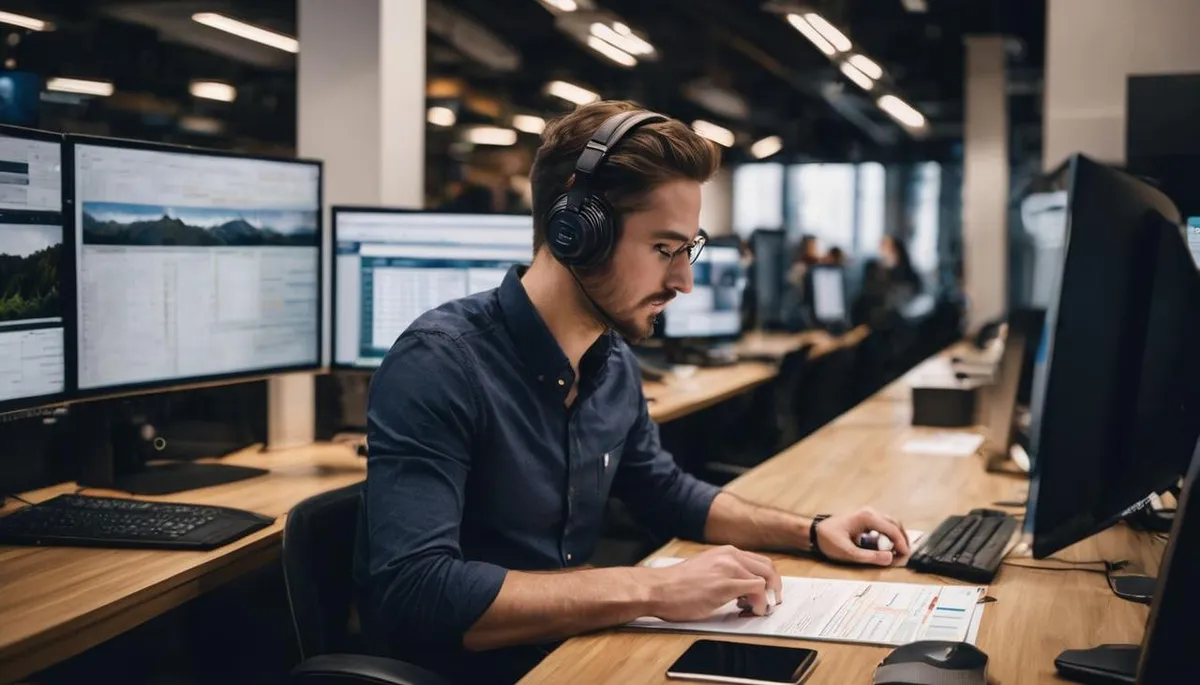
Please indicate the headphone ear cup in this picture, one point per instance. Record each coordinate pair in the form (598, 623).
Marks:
(564, 232)
(596, 218)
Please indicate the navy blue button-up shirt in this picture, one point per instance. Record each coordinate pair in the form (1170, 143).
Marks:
(477, 467)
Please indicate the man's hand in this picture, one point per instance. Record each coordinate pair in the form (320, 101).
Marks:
(838, 537)
(692, 590)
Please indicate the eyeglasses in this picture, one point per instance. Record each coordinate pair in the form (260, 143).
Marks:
(691, 249)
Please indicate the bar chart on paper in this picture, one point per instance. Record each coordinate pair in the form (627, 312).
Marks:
(863, 612)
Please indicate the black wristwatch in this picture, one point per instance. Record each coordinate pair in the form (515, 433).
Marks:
(812, 536)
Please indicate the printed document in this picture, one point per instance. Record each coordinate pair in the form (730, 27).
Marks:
(864, 612)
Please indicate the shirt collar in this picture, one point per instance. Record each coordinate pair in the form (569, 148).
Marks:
(536, 345)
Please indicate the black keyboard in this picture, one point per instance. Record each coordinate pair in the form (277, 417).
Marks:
(86, 521)
(967, 547)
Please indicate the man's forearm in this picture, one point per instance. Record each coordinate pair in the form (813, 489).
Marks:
(540, 607)
(734, 521)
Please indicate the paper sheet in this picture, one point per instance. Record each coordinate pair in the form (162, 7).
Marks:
(947, 444)
(864, 612)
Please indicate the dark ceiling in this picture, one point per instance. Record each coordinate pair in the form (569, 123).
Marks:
(789, 87)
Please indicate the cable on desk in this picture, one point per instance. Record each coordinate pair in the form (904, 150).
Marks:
(1109, 566)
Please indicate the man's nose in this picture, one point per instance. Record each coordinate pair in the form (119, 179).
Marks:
(680, 278)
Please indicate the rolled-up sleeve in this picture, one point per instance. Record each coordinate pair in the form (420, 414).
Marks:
(663, 498)
(421, 415)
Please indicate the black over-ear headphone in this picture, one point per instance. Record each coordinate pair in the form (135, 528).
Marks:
(580, 226)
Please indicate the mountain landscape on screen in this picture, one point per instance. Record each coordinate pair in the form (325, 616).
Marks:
(147, 225)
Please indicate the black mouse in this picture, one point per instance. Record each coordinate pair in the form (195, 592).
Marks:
(930, 662)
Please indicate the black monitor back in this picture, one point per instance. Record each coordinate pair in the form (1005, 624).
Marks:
(1170, 641)
(1093, 408)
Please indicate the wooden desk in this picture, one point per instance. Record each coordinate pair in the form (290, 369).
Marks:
(681, 396)
(856, 460)
(56, 602)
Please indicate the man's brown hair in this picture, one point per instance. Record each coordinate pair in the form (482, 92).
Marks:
(652, 154)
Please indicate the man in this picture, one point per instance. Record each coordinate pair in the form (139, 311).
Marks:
(500, 423)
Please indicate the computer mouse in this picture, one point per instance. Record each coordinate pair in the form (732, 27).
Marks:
(924, 662)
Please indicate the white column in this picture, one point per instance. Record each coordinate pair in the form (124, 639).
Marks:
(985, 180)
(1092, 47)
(361, 109)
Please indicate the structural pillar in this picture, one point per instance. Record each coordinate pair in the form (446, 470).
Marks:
(985, 179)
(360, 109)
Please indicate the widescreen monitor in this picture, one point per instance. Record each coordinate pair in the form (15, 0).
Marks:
(34, 258)
(391, 266)
(1115, 399)
(193, 265)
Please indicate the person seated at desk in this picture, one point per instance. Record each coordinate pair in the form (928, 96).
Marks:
(905, 281)
(499, 424)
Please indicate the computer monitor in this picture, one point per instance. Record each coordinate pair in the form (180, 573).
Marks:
(1002, 395)
(828, 296)
(393, 265)
(770, 270)
(1167, 651)
(713, 308)
(34, 260)
(193, 265)
(1115, 407)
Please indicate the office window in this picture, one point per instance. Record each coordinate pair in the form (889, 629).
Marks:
(821, 203)
(757, 197)
(923, 216)
(872, 198)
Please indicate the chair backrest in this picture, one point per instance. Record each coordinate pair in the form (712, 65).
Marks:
(318, 557)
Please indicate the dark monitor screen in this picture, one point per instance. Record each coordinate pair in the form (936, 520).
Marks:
(20, 96)
(713, 308)
(770, 270)
(33, 262)
(193, 265)
(391, 266)
(1114, 390)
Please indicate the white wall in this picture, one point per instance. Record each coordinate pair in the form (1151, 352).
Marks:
(716, 204)
(1092, 46)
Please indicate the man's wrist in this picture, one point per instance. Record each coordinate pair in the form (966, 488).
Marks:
(805, 544)
(814, 545)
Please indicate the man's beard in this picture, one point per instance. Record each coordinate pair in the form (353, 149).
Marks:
(598, 293)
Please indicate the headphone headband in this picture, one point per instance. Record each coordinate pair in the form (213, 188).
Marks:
(580, 224)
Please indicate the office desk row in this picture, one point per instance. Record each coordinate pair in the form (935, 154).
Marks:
(56, 603)
(857, 460)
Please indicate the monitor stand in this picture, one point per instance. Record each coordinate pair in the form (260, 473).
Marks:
(114, 456)
(1103, 665)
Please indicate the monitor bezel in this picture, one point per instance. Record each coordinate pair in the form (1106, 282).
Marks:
(71, 141)
(66, 280)
(334, 212)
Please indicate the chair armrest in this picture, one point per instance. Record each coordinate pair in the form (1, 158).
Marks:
(360, 669)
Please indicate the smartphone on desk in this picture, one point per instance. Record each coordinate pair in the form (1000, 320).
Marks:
(718, 661)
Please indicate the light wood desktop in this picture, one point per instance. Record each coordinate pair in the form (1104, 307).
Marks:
(859, 459)
(705, 387)
(57, 602)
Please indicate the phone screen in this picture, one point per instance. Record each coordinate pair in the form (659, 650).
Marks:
(740, 662)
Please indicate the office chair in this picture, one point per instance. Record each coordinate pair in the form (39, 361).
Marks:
(318, 549)
(766, 426)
